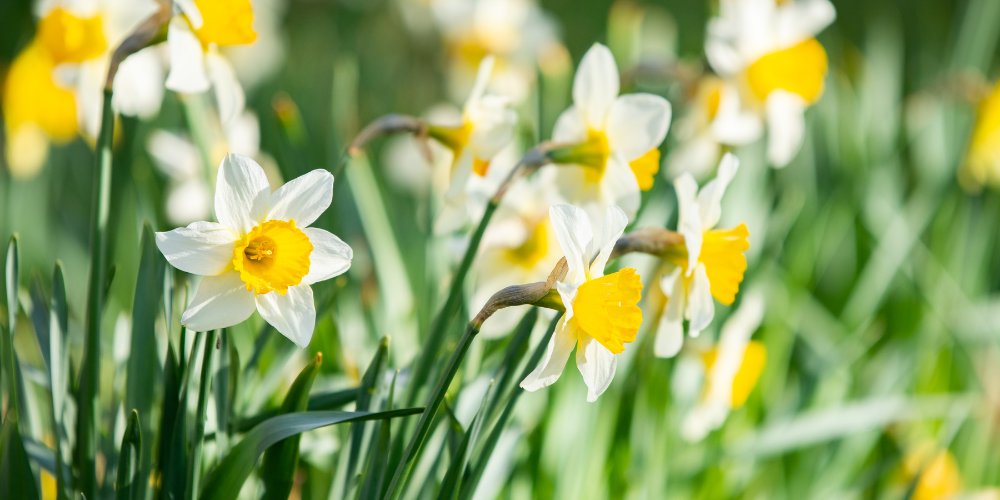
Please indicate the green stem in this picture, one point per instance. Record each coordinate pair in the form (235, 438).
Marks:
(199, 420)
(427, 417)
(86, 431)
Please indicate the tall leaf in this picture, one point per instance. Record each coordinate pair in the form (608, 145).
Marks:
(16, 479)
(128, 484)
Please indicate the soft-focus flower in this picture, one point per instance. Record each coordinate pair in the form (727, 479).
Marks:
(262, 254)
(194, 39)
(732, 369)
(602, 314)
(982, 163)
(711, 264)
(935, 471)
(769, 48)
(615, 138)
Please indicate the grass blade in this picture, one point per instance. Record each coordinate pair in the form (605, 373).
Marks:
(378, 451)
(16, 478)
(323, 401)
(281, 460)
(58, 372)
(453, 478)
(7, 340)
(369, 383)
(204, 386)
(129, 483)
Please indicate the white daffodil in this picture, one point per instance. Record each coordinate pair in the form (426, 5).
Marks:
(602, 314)
(769, 47)
(715, 119)
(486, 127)
(194, 38)
(731, 370)
(616, 138)
(711, 265)
(262, 254)
(982, 162)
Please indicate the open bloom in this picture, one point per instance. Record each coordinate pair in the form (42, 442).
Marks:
(711, 264)
(262, 254)
(602, 312)
(615, 138)
(982, 163)
(769, 47)
(194, 38)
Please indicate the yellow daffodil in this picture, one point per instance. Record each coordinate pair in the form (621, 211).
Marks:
(194, 39)
(262, 254)
(982, 163)
(615, 138)
(935, 471)
(769, 48)
(711, 265)
(731, 370)
(602, 314)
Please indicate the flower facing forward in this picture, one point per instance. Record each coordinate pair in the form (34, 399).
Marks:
(613, 140)
(769, 47)
(982, 162)
(262, 254)
(602, 314)
(711, 263)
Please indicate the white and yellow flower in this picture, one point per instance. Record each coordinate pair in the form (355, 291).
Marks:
(194, 38)
(711, 264)
(616, 138)
(769, 48)
(730, 370)
(262, 254)
(982, 162)
(602, 314)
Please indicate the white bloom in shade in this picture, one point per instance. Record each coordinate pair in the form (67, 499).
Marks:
(769, 47)
(617, 136)
(711, 264)
(262, 254)
(602, 314)
(732, 370)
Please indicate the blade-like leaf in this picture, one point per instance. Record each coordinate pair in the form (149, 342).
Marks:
(16, 478)
(324, 401)
(453, 478)
(281, 459)
(9, 370)
(58, 373)
(375, 480)
(369, 383)
(128, 483)
(225, 481)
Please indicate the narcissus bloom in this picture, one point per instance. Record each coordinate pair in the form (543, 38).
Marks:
(769, 47)
(602, 312)
(935, 472)
(262, 254)
(711, 264)
(616, 138)
(982, 163)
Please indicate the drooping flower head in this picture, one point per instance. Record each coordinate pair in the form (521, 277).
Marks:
(261, 255)
(769, 47)
(982, 162)
(712, 262)
(615, 138)
(602, 312)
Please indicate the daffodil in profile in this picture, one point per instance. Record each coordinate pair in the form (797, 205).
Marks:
(769, 48)
(601, 311)
(612, 141)
(708, 267)
(261, 254)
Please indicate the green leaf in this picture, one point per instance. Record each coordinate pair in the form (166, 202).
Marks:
(369, 383)
(129, 482)
(204, 387)
(59, 373)
(168, 416)
(9, 370)
(453, 478)
(378, 451)
(323, 401)
(226, 479)
(281, 460)
(16, 478)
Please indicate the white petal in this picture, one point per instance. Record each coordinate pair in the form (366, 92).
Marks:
(800, 20)
(637, 123)
(670, 331)
(219, 302)
(619, 186)
(187, 60)
(189, 201)
(569, 127)
(203, 248)
(552, 363)
(189, 9)
(330, 256)
(241, 193)
(734, 125)
(595, 85)
(786, 125)
(228, 91)
(720, 47)
(303, 199)
(138, 87)
(597, 365)
(700, 307)
(292, 314)
(174, 155)
(574, 233)
(607, 235)
(710, 196)
(482, 80)
(689, 217)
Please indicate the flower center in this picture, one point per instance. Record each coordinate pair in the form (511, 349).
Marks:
(32, 96)
(798, 69)
(751, 366)
(534, 248)
(226, 22)
(645, 167)
(722, 253)
(272, 257)
(607, 308)
(710, 97)
(70, 38)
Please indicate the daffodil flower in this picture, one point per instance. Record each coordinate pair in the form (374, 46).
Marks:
(711, 264)
(194, 39)
(731, 370)
(601, 311)
(769, 47)
(982, 163)
(262, 254)
(615, 138)
(934, 472)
